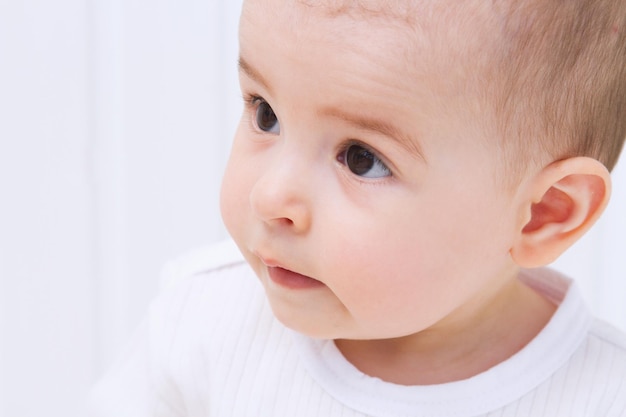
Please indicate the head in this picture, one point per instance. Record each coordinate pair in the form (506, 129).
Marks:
(365, 185)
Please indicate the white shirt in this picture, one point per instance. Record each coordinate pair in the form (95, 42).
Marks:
(212, 347)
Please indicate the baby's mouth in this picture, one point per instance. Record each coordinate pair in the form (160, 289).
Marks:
(292, 280)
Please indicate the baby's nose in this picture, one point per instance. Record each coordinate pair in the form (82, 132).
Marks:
(280, 197)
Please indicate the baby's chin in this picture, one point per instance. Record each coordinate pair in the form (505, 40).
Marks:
(309, 328)
(319, 329)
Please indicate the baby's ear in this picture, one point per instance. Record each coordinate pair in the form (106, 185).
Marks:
(559, 205)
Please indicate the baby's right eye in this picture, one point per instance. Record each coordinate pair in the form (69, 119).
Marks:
(265, 117)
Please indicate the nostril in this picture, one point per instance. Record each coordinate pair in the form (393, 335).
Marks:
(285, 221)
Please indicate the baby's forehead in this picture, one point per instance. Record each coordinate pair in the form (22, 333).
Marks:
(452, 26)
(400, 10)
(446, 38)
(413, 12)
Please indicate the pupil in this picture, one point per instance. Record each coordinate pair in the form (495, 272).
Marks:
(265, 117)
(359, 160)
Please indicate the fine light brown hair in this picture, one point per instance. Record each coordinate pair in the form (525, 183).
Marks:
(562, 79)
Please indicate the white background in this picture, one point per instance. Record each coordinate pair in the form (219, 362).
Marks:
(115, 122)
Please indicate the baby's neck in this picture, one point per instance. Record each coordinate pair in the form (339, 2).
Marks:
(456, 349)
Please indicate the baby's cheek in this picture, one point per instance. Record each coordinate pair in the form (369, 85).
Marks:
(231, 199)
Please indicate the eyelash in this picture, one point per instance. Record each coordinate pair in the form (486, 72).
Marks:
(252, 100)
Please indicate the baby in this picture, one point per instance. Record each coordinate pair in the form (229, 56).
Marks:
(400, 170)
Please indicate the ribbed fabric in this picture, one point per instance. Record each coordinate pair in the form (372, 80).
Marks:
(211, 346)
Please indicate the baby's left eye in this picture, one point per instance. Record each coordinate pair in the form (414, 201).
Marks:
(362, 162)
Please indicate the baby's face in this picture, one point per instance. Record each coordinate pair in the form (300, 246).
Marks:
(360, 188)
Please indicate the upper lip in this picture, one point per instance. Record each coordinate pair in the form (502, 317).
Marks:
(271, 262)
(268, 261)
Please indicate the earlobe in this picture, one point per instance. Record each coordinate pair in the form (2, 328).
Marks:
(563, 201)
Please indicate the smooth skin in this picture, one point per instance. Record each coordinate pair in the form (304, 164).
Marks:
(367, 200)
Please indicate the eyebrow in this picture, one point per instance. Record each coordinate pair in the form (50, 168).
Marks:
(377, 126)
(251, 72)
(362, 123)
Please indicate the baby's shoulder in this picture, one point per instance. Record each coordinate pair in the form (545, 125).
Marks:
(608, 344)
(204, 260)
(204, 293)
(610, 336)
(209, 304)
(602, 360)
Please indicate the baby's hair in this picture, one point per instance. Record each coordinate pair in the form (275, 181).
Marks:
(562, 90)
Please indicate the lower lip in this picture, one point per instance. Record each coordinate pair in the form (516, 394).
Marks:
(292, 280)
